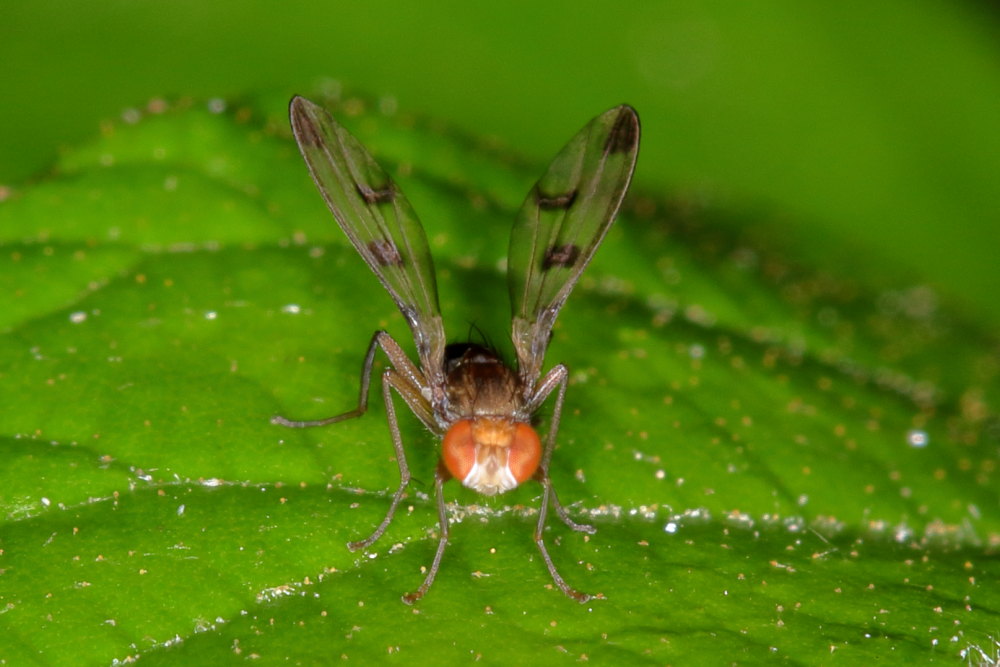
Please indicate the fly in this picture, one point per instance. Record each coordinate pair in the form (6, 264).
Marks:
(465, 394)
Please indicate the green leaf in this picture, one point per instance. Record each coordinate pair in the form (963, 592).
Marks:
(782, 461)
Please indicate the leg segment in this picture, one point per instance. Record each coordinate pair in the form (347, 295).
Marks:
(539, 541)
(440, 476)
(409, 383)
(390, 380)
(399, 361)
(557, 377)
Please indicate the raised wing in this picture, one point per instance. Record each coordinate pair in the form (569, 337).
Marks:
(378, 220)
(560, 225)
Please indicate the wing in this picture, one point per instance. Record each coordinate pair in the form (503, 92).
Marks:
(378, 220)
(560, 225)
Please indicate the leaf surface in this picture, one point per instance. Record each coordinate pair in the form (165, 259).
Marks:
(782, 461)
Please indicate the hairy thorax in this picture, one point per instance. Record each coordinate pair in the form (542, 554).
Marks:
(480, 384)
(489, 446)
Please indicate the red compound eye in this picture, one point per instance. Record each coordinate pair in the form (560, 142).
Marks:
(525, 453)
(459, 449)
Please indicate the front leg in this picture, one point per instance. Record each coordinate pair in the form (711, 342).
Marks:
(547, 493)
(557, 377)
(440, 477)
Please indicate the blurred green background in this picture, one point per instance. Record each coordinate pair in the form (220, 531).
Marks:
(868, 130)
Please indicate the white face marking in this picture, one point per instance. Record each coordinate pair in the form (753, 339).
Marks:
(479, 479)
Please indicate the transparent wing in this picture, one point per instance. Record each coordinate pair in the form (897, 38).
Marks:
(560, 225)
(378, 220)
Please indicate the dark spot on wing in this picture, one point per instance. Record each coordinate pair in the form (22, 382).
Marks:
(306, 131)
(386, 253)
(551, 202)
(561, 255)
(624, 133)
(372, 196)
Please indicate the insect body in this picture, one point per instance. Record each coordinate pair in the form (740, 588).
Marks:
(465, 394)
